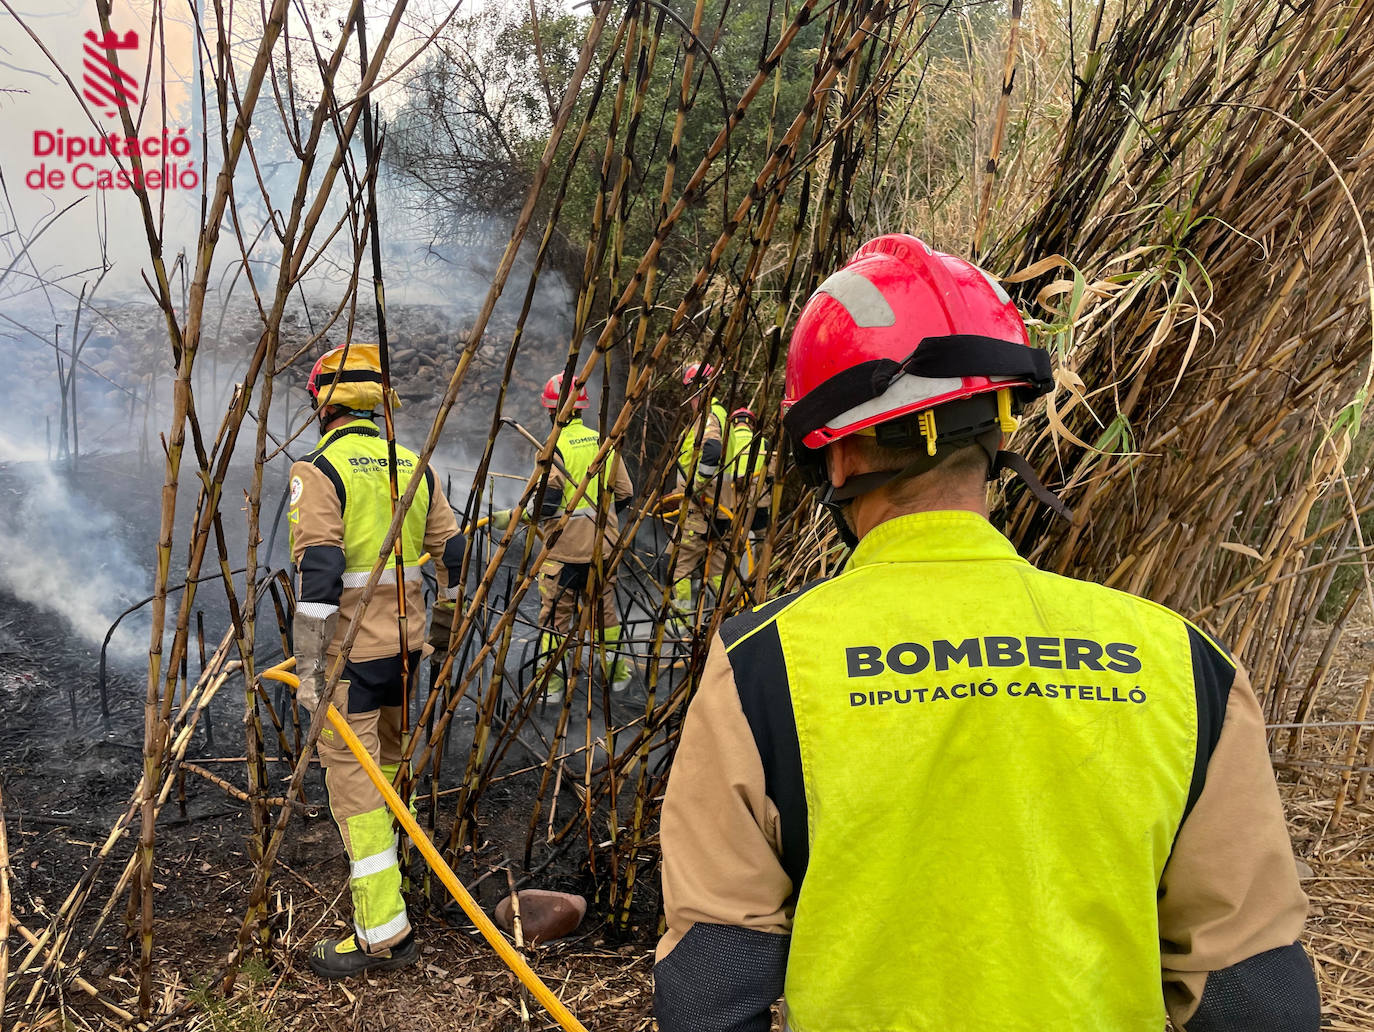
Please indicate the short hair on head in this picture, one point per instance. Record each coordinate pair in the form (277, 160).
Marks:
(964, 467)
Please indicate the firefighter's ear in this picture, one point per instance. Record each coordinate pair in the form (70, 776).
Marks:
(839, 458)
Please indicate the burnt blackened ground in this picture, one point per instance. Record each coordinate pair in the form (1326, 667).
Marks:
(64, 788)
(68, 774)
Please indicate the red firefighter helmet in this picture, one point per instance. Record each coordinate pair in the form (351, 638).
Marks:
(744, 415)
(901, 329)
(555, 387)
(920, 346)
(696, 372)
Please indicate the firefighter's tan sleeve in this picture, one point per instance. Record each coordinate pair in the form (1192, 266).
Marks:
(721, 835)
(1230, 890)
(443, 540)
(314, 515)
(576, 543)
(621, 484)
(714, 431)
(554, 492)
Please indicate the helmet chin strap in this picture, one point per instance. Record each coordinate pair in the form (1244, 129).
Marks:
(1007, 460)
(835, 507)
(835, 499)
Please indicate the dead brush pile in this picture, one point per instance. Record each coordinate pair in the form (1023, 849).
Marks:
(1193, 239)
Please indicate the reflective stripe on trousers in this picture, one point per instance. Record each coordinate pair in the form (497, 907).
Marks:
(379, 911)
(358, 578)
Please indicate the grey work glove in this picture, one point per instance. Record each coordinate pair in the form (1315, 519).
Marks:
(313, 630)
(441, 626)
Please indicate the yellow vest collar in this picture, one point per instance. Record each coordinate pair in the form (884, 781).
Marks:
(364, 426)
(946, 535)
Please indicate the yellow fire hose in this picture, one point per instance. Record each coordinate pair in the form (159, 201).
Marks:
(489, 931)
(662, 511)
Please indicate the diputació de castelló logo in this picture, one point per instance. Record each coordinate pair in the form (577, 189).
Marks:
(104, 83)
(67, 159)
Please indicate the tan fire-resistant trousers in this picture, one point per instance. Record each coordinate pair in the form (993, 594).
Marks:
(365, 822)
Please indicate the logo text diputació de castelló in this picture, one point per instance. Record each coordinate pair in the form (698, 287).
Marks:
(87, 161)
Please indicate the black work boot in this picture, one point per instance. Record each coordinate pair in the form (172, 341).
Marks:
(341, 958)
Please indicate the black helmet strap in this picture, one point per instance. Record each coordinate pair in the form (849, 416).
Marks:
(959, 354)
(834, 499)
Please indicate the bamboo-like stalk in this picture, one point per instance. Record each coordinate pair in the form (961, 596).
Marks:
(999, 127)
(1358, 717)
(4, 906)
(373, 152)
(235, 792)
(37, 944)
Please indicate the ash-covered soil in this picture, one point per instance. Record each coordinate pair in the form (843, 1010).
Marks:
(65, 786)
(67, 774)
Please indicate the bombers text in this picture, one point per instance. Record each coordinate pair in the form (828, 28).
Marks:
(911, 657)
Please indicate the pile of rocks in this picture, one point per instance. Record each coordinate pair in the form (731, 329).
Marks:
(130, 350)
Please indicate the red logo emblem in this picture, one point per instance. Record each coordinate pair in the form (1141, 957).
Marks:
(107, 87)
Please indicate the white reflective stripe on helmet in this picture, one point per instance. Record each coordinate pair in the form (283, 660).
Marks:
(997, 287)
(861, 299)
(398, 925)
(358, 578)
(374, 864)
(907, 389)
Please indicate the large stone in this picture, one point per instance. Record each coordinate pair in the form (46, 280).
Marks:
(544, 914)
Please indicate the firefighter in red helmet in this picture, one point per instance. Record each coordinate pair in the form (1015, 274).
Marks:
(571, 569)
(943, 789)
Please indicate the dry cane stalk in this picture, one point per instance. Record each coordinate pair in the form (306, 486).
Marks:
(4, 906)
(36, 943)
(1361, 711)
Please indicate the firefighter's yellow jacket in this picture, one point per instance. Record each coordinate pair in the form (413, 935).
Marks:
(944, 790)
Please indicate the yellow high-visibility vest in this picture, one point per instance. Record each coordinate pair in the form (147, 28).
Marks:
(577, 447)
(354, 457)
(980, 769)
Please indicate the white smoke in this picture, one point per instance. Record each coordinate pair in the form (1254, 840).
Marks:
(65, 556)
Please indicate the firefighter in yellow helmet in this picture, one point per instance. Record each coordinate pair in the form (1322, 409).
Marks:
(340, 510)
(571, 569)
(943, 789)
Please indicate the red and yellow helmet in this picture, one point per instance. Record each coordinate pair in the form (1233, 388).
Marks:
(348, 376)
(555, 387)
(899, 330)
